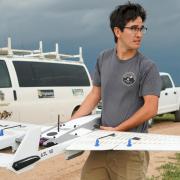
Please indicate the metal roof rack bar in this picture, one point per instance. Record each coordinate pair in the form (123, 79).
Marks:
(8, 51)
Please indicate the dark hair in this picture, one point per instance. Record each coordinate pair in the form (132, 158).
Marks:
(122, 14)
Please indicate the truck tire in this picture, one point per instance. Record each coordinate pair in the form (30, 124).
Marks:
(75, 109)
(177, 116)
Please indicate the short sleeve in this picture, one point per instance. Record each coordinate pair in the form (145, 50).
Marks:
(150, 83)
(97, 73)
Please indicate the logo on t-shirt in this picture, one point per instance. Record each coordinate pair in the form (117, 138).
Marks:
(129, 78)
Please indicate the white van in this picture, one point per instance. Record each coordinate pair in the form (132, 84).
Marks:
(36, 89)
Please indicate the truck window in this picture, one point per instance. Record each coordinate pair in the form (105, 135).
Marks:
(5, 81)
(41, 74)
(166, 82)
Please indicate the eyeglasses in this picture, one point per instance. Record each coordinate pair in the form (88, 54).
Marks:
(136, 29)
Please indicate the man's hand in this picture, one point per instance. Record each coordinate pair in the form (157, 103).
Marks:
(89, 103)
(108, 128)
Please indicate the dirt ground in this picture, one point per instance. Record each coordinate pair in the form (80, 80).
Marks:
(58, 168)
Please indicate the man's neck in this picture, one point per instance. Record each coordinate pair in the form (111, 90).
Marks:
(125, 54)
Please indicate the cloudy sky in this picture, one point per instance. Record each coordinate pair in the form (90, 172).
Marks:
(74, 23)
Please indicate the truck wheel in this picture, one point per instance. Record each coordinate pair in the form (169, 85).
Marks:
(75, 109)
(177, 116)
(150, 123)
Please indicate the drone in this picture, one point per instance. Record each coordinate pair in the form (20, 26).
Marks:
(23, 145)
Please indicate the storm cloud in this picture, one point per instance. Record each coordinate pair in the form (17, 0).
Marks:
(74, 23)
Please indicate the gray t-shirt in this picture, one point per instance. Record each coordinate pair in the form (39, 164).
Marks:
(123, 85)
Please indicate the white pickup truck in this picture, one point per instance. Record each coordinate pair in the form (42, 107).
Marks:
(169, 101)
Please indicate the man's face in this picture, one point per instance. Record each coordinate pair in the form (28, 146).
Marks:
(132, 35)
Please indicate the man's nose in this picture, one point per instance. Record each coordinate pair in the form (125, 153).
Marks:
(139, 33)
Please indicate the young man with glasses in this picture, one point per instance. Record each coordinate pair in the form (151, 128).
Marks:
(129, 85)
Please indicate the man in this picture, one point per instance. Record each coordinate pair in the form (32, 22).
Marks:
(129, 85)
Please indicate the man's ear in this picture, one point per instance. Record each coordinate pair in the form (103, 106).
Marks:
(117, 32)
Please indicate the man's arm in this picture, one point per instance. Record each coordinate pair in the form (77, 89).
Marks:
(89, 103)
(146, 112)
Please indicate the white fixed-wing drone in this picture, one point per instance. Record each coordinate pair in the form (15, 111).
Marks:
(33, 143)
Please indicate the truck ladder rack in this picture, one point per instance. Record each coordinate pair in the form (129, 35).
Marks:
(55, 55)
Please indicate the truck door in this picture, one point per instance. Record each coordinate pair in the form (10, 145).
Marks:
(7, 95)
(168, 98)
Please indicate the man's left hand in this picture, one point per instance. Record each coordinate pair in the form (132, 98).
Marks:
(108, 128)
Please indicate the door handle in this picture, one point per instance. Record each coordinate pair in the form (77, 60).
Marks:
(15, 95)
(174, 92)
(166, 93)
